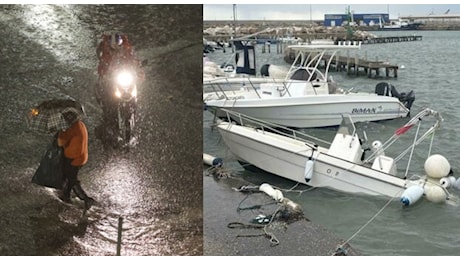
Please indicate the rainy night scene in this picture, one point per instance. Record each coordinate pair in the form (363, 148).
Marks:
(101, 129)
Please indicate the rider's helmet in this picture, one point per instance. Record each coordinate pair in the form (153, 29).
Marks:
(116, 40)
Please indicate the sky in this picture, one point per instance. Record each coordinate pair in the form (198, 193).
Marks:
(316, 11)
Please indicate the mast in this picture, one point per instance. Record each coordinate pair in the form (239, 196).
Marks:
(234, 20)
(234, 27)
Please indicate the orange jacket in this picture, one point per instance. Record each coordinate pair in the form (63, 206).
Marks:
(75, 143)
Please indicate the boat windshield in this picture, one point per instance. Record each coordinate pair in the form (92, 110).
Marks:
(347, 127)
(304, 74)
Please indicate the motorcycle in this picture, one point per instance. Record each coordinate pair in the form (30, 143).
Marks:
(118, 95)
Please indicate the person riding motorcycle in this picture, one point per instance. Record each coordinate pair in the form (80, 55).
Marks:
(117, 63)
(114, 51)
(116, 47)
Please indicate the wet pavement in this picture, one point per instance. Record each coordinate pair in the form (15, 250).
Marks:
(155, 186)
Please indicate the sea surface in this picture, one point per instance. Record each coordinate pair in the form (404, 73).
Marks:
(376, 225)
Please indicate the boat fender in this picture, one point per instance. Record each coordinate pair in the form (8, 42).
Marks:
(377, 147)
(212, 160)
(447, 182)
(435, 193)
(411, 195)
(309, 165)
(437, 166)
(277, 195)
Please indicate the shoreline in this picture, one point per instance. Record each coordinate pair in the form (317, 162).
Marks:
(221, 207)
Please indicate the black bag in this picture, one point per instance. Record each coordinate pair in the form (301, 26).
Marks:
(49, 173)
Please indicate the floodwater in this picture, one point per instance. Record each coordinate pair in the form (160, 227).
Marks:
(154, 186)
(376, 225)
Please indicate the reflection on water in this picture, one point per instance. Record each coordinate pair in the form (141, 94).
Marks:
(125, 187)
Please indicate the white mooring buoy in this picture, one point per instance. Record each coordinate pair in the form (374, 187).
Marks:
(212, 160)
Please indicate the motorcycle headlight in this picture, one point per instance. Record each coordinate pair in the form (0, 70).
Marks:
(125, 79)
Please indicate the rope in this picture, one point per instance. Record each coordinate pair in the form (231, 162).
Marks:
(239, 208)
(247, 188)
(217, 171)
(242, 225)
(273, 239)
(340, 247)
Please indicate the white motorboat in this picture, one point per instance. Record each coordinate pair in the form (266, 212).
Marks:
(305, 97)
(343, 164)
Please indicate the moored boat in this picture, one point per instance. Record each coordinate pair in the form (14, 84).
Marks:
(306, 97)
(342, 165)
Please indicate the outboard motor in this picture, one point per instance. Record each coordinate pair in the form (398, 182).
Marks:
(386, 89)
(264, 70)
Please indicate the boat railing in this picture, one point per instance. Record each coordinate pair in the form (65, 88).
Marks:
(222, 86)
(310, 56)
(219, 90)
(246, 120)
(416, 120)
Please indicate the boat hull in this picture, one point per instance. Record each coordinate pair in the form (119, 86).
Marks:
(315, 110)
(287, 158)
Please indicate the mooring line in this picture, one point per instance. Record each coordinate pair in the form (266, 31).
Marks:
(365, 225)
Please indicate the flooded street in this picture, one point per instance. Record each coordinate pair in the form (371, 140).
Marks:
(155, 187)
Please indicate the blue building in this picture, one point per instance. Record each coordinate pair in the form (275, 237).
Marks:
(359, 19)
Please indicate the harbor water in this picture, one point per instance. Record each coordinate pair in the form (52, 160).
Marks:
(379, 225)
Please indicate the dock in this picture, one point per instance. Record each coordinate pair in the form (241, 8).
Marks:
(355, 65)
(336, 37)
(392, 39)
(352, 65)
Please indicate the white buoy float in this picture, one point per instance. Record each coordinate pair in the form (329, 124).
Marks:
(212, 160)
(411, 195)
(447, 182)
(437, 166)
(277, 195)
(435, 193)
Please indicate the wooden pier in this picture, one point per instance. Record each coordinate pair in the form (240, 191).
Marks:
(337, 37)
(353, 65)
(391, 39)
(370, 68)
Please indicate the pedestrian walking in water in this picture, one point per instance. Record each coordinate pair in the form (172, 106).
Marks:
(74, 141)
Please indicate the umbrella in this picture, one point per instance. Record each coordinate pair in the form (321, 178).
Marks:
(54, 115)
